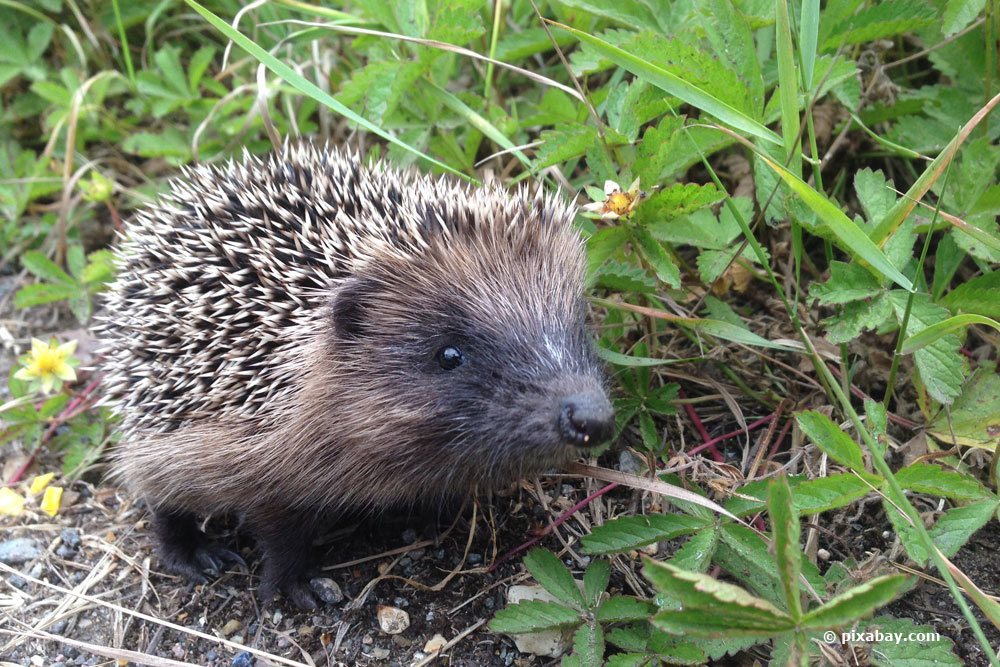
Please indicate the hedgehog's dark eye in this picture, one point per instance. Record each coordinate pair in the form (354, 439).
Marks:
(450, 357)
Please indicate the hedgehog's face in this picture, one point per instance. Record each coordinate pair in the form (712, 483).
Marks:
(475, 355)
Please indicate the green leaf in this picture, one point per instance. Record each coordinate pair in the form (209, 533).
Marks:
(621, 608)
(728, 331)
(852, 238)
(974, 418)
(956, 526)
(848, 282)
(830, 438)
(809, 496)
(663, 265)
(602, 244)
(856, 317)
(304, 85)
(941, 365)
(696, 554)
(714, 604)
(937, 331)
(936, 481)
(554, 577)
(42, 267)
(887, 652)
(631, 532)
(588, 647)
(563, 144)
(595, 581)
(856, 603)
(875, 193)
(633, 13)
(533, 616)
(881, 20)
(620, 277)
(619, 359)
(958, 14)
(675, 85)
(786, 532)
(979, 296)
(39, 293)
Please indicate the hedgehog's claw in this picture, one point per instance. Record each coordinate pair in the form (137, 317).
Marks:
(297, 592)
(186, 551)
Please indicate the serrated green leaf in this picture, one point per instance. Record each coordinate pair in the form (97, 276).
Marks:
(887, 652)
(856, 317)
(554, 577)
(881, 20)
(956, 526)
(980, 296)
(712, 624)
(675, 85)
(658, 258)
(831, 439)
(595, 581)
(941, 365)
(855, 603)
(696, 554)
(621, 608)
(875, 192)
(39, 293)
(974, 418)
(588, 645)
(785, 531)
(935, 480)
(621, 277)
(728, 331)
(42, 267)
(630, 12)
(694, 224)
(810, 496)
(631, 532)
(563, 144)
(533, 616)
(847, 283)
(716, 604)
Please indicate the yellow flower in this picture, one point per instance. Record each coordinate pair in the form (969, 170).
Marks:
(39, 483)
(51, 500)
(615, 203)
(11, 502)
(48, 365)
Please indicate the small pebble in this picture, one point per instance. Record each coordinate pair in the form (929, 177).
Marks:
(410, 536)
(231, 626)
(435, 644)
(17, 581)
(326, 590)
(37, 661)
(58, 628)
(391, 620)
(474, 559)
(66, 552)
(244, 659)
(178, 651)
(19, 550)
(630, 463)
(380, 653)
(70, 537)
(211, 655)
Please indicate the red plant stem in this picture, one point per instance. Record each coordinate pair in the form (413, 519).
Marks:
(700, 427)
(75, 407)
(779, 439)
(725, 436)
(561, 519)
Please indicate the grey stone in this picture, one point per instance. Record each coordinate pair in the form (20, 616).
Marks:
(19, 550)
(326, 590)
(70, 537)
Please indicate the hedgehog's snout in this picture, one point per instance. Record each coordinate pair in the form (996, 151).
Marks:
(586, 419)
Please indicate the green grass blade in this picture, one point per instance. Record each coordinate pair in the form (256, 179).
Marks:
(676, 86)
(788, 87)
(897, 214)
(808, 35)
(932, 333)
(475, 120)
(852, 237)
(305, 86)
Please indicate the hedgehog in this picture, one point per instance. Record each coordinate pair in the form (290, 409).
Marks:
(304, 335)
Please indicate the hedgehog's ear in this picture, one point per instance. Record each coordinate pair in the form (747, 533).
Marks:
(349, 306)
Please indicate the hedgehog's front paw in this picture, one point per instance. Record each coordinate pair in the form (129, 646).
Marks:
(295, 589)
(201, 563)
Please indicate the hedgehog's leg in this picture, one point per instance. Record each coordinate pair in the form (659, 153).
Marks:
(186, 550)
(285, 540)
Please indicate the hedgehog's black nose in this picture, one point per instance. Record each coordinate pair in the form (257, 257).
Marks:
(586, 420)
